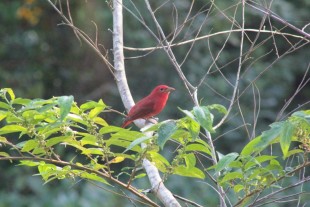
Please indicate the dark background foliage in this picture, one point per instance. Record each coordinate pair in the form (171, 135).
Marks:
(41, 58)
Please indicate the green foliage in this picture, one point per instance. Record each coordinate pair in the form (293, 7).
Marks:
(165, 131)
(252, 171)
(45, 126)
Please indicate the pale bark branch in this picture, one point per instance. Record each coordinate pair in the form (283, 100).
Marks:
(158, 188)
(212, 35)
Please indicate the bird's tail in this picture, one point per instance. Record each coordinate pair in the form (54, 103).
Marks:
(126, 122)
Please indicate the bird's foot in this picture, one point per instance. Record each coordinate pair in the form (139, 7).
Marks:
(153, 120)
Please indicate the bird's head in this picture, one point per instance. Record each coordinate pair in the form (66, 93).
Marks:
(162, 89)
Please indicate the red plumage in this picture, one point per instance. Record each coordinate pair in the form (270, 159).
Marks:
(150, 105)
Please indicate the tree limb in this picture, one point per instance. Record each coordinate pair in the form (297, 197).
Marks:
(158, 187)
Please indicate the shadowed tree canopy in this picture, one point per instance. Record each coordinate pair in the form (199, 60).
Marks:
(247, 67)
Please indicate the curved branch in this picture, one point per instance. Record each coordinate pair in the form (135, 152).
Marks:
(80, 167)
(212, 35)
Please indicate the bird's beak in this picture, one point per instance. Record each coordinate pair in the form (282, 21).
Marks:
(169, 89)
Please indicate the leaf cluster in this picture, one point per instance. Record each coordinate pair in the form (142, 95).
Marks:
(44, 126)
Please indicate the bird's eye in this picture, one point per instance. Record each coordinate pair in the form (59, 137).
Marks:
(161, 89)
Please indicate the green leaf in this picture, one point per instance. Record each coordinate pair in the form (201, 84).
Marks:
(238, 188)
(204, 117)
(3, 114)
(189, 172)
(4, 154)
(29, 163)
(191, 125)
(220, 108)
(136, 142)
(76, 118)
(187, 113)
(21, 101)
(303, 114)
(198, 147)
(89, 139)
(190, 159)
(100, 121)
(274, 165)
(11, 93)
(46, 107)
(293, 152)
(92, 151)
(3, 139)
(141, 175)
(12, 118)
(110, 129)
(160, 161)
(4, 105)
(97, 110)
(231, 176)
(269, 136)
(122, 143)
(55, 140)
(47, 170)
(165, 131)
(250, 147)
(92, 176)
(264, 158)
(12, 128)
(286, 137)
(29, 145)
(65, 103)
(225, 161)
(124, 134)
(261, 142)
(92, 104)
(37, 103)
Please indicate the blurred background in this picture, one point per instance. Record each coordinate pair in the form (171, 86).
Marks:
(40, 58)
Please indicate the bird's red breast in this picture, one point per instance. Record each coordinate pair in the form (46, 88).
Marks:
(150, 105)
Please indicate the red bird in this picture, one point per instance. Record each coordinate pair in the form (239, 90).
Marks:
(150, 105)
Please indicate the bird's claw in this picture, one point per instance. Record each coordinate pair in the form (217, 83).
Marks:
(153, 120)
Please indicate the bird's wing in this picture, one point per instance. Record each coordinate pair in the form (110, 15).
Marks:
(143, 109)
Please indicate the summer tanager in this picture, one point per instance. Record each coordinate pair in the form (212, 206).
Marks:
(150, 105)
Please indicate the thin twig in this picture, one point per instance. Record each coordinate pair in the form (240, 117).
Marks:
(236, 85)
(214, 34)
(187, 201)
(275, 181)
(80, 167)
(276, 17)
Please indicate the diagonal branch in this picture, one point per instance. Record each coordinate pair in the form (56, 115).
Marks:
(167, 48)
(89, 170)
(276, 17)
(83, 36)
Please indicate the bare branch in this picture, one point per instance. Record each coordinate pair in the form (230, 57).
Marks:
(276, 17)
(83, 36)
(191, 89)
(215, 34)
(236, 85)
(80, 167)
